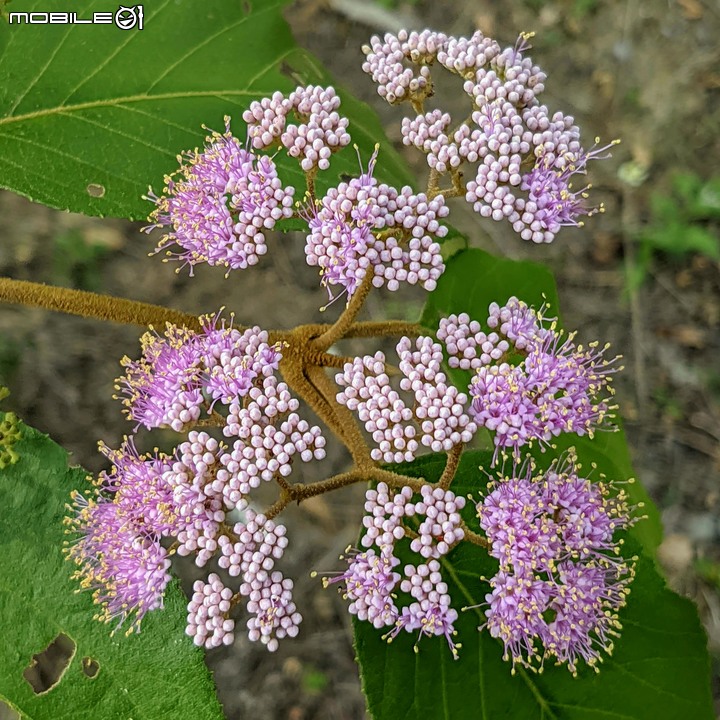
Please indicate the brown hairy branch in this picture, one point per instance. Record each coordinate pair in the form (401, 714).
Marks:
(453, 460)
(384, 329)
(354, 440)
(338, 330)
(92, 305)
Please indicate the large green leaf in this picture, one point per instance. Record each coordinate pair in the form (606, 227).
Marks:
(659, 669)
(91, 107)
(473, 279)
(155, 674)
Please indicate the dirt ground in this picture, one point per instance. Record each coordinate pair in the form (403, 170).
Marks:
(646, 71)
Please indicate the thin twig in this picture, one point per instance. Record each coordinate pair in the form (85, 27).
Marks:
(453, 460)
(338, 330)
(302, 492)
(333, 361)
(383, 329)
(299, 383)
(473, 537)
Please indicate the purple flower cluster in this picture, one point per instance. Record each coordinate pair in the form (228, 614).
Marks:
(126, 568)
(320, 131)
(217, 207)
(387, 61)
(224, 377)
(437, 419)
(182, 374)
(364, 226)
(526, 156)
(371, 581)
(558, 387)
(562, 579)
(249, 550)
(531, 383)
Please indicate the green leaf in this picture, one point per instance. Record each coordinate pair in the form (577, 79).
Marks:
(665, 209)
(472, 280)
(88, 110)
(155, 674)
(660, 668)
(686, 185)
(708, 199)
(682, 238)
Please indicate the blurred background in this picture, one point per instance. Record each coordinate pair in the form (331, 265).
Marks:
(645, 276)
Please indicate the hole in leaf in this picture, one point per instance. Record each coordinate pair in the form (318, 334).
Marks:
(96, 191)
(8, 713)
(48, 666)
(90, 667)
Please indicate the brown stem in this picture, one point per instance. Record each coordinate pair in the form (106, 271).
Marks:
(92, 305)
(433, 187)
(458, 186)
(173, 548)
(226, 529)
(354, 440)
(310, 182)
(473, 537)
(300, 384)
(215, 420)
(396, 480)
(333, 361)
(280, 504)
(284, 485)
(384, 329)
(302, 492)
(449, 193)
(338, 330)
(453, 460)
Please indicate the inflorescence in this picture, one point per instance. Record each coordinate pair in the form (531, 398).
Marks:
(531, 383)
(525, 156)
(226, 379)
(230, 393)
(562, 578)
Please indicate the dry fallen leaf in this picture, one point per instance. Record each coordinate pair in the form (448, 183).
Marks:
(686, 335)
(691, 9)
(605, 247)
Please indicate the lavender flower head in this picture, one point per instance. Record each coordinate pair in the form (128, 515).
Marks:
(363, 226)
(371, 581)
(319, 131)
(525, 156)
(341, 227)
(437, 418)
(138, 485)
(127, 570)
(562, 578)
(162, 387)
(225, 376)
(218, 205)
(184, 373)
(556, 387)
